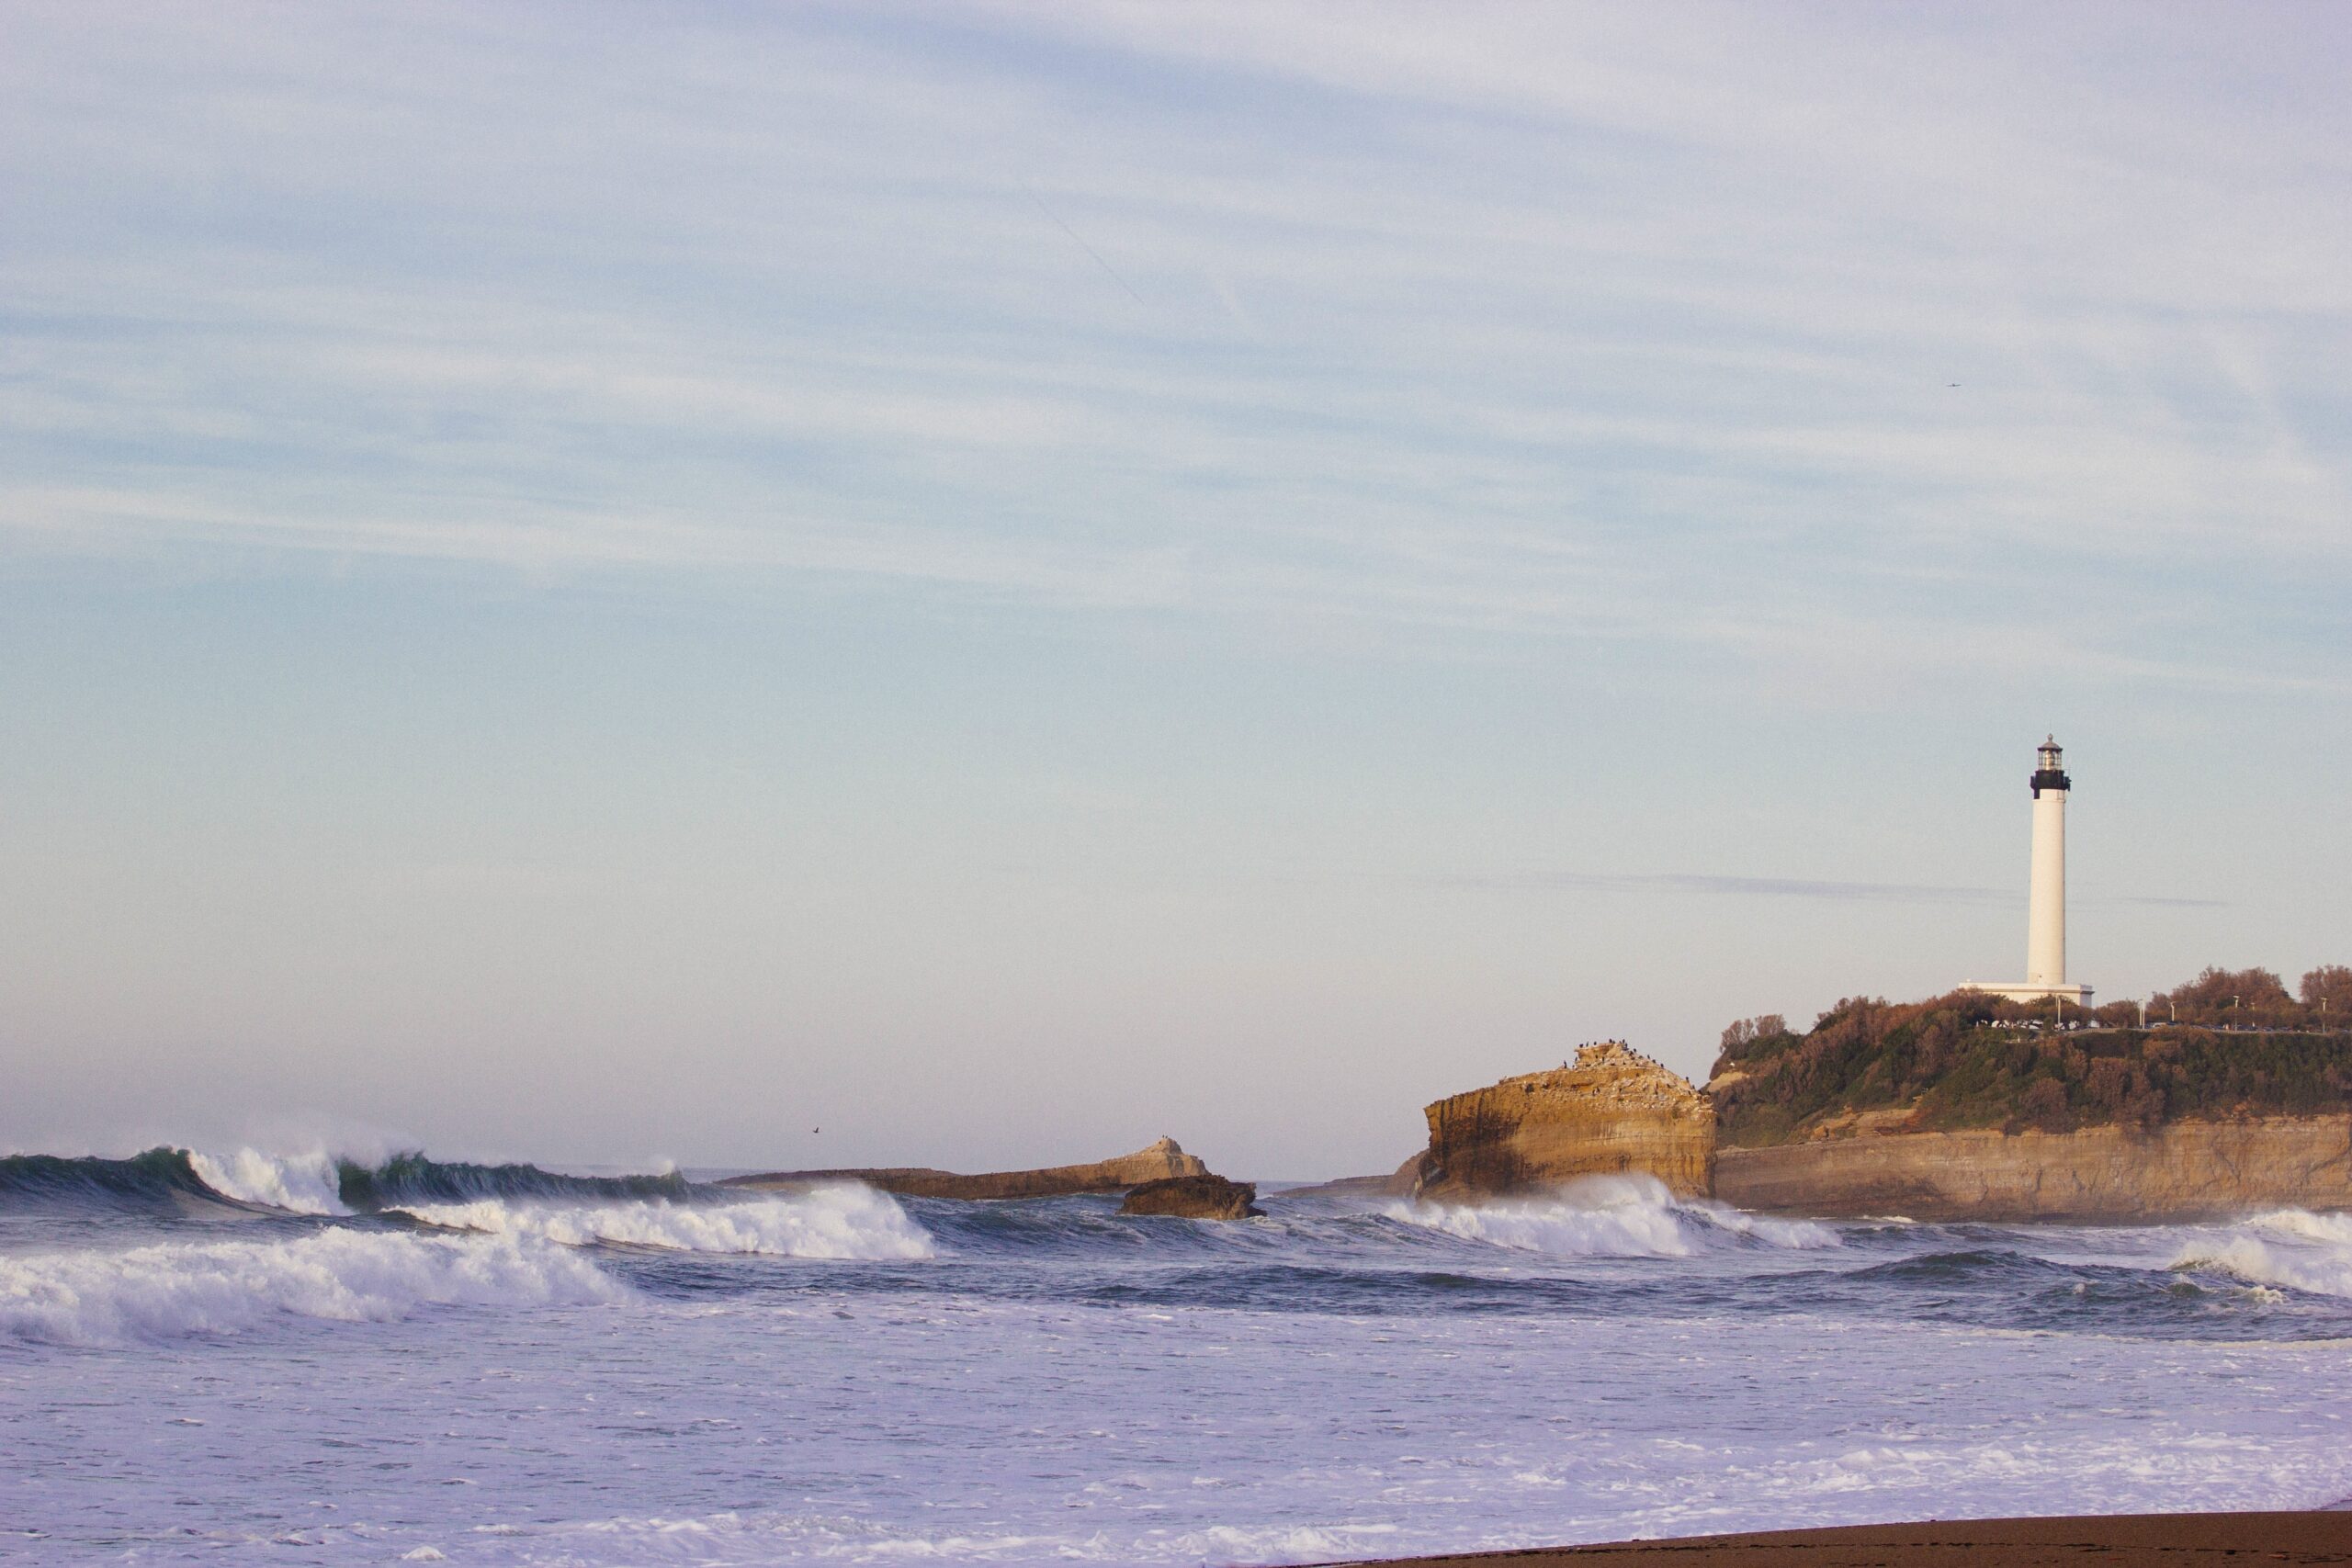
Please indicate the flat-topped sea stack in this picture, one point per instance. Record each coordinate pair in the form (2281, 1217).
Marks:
(1613, 1112)
(1157, 1163)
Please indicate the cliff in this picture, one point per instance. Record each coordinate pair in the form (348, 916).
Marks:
(2180, 1171)
(1612, 1113)
(1969, 1107)
(1969, 1060)
(1156, 1163)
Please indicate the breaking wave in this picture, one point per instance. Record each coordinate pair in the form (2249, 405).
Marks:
(2287, 1249)
(329, 1260)
(845, 1222)
(176, 1291)
(300, 1184)
(1802, 1235)
(164, 1178)
(1612, 1217)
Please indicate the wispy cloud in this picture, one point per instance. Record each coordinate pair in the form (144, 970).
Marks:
(1783, 333)
(1775, 887)
(1751, 886)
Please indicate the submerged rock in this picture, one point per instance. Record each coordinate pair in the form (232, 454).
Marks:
(1612, 1113)
(1202, 1197)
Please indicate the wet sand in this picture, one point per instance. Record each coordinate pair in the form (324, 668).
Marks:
(2176, 1540)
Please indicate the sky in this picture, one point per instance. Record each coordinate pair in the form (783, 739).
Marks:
(796, 585)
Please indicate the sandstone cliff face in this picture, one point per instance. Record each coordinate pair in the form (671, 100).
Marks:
(2179, 1171)
(1613, 1113)
(1195, 1198)
(1156, 1163)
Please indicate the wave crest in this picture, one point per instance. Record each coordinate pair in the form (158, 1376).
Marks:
(409, 1179)
(2291, 1248)
(173, 1292)
(845, 1222)
(158, 1179)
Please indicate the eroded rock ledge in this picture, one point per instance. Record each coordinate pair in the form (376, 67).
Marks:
(1157, 1163)
(1195, 1198)
(2180, 1171)
(1613, 1112)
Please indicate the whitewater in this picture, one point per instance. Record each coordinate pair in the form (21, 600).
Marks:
(211, 1355)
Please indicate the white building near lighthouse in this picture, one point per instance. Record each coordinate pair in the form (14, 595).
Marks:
(2045, 917)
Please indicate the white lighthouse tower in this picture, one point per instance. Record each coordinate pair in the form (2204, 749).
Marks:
(2045, 911)
(2045, 917)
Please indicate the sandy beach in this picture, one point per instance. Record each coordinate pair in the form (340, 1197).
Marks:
(2114, 1540)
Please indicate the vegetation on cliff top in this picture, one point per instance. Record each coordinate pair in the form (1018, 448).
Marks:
(2242, 1047)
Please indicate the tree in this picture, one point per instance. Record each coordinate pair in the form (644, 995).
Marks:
(1746, 1031)
(2327, 991)
(2226, 996)
(2117, 1015)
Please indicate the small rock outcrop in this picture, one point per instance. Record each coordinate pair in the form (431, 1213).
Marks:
(1613, 1112)
(1158, 1162)
(1195, 1198)
(1402, 1182)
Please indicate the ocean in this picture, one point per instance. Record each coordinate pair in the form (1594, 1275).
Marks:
(209, 1358)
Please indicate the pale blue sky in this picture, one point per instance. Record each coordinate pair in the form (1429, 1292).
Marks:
(603, 583)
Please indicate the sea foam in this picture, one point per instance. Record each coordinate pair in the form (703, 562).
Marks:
(843, 1221)
(300, 1184)
(2287, 1247)
(174, 1291)
(1630, 1216)
(749, 1538)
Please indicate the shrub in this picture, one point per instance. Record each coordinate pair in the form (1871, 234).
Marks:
(1970, 1060)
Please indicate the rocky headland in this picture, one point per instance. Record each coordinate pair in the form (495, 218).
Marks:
(1962, 1107)
(1965, 1107)
(1612, 1112)
(1158, 1162)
